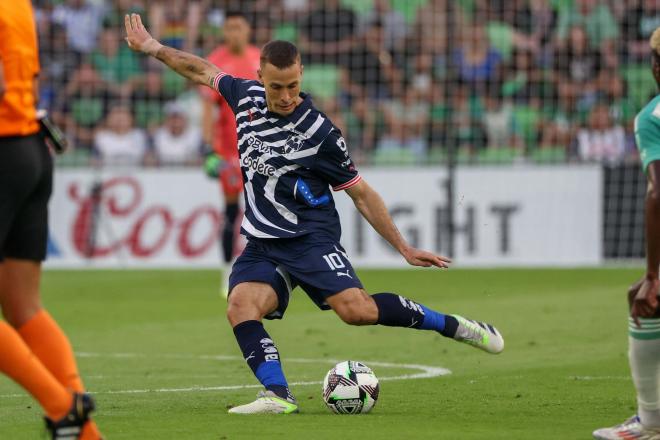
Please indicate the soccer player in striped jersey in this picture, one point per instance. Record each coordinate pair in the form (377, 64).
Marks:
(644, 321)
(291, 154)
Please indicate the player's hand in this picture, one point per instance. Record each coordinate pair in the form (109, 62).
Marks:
(643, 298)
(213, 165)
(418, 257)
(137, 36)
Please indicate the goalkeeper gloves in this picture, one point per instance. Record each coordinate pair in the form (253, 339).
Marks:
(213, 165)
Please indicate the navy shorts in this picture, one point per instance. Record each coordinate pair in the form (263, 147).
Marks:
(319, 266)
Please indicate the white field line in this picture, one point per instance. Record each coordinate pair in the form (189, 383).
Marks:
(424, 372)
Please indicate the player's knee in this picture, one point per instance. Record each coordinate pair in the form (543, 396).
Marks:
(358, 313)
(240, 309)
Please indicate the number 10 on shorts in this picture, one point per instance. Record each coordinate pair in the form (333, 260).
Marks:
(334, 261)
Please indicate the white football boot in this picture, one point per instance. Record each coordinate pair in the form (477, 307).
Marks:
(479, 334)
(631, 429)
(267, 403)
(225, 271)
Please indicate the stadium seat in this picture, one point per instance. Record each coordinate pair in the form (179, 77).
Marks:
(321, 80)
(74, 158)
(360, 7)
(640, 83)
(393, 156)
(286, 31)
(498, 156)
(525, 122)
(547, 155)
(408, 8)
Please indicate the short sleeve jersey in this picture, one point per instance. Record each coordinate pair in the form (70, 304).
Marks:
(288, 164)
(647, 132)
(20, 63)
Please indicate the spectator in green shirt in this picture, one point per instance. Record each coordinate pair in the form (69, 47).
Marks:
(117, 64)
(597, 19)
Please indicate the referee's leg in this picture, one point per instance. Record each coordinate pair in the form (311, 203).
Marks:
(36, 352)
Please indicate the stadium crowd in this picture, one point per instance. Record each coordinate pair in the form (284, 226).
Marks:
(499, 80)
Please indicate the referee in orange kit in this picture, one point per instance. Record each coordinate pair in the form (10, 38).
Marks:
(34, 351)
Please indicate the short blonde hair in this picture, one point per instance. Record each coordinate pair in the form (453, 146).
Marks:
(654, 42)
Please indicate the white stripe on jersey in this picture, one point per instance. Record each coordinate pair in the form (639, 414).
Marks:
(259, 88)
(247, 112)
(302, 118)
(250, 99)
(250, 229)
(257, 214)
(269, 192)
(260, 121)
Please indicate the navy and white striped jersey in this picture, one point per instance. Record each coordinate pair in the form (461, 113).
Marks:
(288, 164)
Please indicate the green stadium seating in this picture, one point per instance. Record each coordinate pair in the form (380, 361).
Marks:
(321, 80)
(547, 155)
(286, 31)
(394, 156)
(640, 83)
(497, 156)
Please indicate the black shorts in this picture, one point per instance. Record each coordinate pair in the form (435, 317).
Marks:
(26, 182)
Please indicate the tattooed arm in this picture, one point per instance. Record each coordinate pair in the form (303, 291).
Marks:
(190, 66)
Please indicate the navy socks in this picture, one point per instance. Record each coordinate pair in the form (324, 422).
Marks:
(262, 356)
(398, 311)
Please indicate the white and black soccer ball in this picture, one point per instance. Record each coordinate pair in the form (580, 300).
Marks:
(350, 388)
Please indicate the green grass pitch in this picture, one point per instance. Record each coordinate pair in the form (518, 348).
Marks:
(155, 348)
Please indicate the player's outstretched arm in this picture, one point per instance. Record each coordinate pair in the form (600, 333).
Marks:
(372, 207)
(643, 295)
(190, 66)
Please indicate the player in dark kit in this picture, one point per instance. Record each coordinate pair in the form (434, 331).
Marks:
(290, 155)
(34, 351)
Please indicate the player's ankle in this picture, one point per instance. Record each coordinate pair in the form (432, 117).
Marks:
(281, 391)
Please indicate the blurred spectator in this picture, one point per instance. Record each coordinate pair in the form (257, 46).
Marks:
(114, 17)
(475, 61)
(395, 27)
(371, 71)
(116, 63)
(406, 122)
(640, 19)
(497, 119)
(465, 122)
(520, 24)
(82, 20)
(57, 63)
(559, 125)
(434, 22)
(327, 32)
(577, 69)
(598, 21)
(118, 142)
(175, 23)
(263, 15)
(421, 74)
(148, 99)
(601, 140)
(177, 142)
(83, 105)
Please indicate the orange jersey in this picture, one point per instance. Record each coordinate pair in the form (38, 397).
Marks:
(240, 66)
(19, 56)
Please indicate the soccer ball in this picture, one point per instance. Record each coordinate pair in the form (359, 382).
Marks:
(350, 388)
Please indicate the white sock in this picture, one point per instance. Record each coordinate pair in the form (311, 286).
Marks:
(644, 356)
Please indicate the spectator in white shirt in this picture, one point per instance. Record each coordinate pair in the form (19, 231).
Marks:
(119, 142)
(177, 141)
(602, 140)
(82, 20)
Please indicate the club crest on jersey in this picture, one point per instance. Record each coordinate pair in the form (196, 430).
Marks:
(293, 144)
